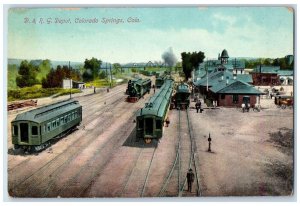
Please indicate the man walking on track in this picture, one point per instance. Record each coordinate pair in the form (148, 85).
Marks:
(190, 179)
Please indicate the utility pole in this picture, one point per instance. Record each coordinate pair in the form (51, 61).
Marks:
(70, 83)
(110, 75)
(106, 68)
(206, 75)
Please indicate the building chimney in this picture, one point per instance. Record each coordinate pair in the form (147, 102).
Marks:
(222, 77)
(227, 80)
(234, 76)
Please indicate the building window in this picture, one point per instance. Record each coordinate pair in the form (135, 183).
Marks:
(222, 96)
(235, 98)
(15, 131)
(34, 130)
(158, 124)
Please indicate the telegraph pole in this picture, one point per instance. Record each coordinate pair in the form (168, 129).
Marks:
(110, 75)
(70, 83)
(206, 75)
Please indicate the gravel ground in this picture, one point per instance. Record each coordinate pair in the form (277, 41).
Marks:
(246, 159)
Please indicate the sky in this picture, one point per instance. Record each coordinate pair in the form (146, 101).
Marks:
(243, 31)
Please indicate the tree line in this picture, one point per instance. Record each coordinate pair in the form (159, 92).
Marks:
(28, 73)
(283, 63)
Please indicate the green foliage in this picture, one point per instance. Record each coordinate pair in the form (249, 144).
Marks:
(102, 75)
(99, 83)
(12, 73)
(55, 77)
(36, 91)
(134, 70)
(191, 61)
(44, 69)
(117, 68)
(92, 67)
(27, 74)
(281, 62)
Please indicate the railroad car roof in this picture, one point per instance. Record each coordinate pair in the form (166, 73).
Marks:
(48, 112)
(142, 81)
(157, 103)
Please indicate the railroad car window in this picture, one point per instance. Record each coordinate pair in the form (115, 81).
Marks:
(15, 130)
(222, 96)
(49, 126)
(57, 122)
(62, 120)
(34, 130)
(141, 124)
(66, 118)
(53, 124)
(158, 124)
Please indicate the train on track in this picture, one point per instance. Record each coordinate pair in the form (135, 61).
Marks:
(181, 99)
(137, 88)
(160, 80)
(34, 130)
(150, 119)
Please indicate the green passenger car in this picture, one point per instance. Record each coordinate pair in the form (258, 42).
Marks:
(34, 129)
(150, 119)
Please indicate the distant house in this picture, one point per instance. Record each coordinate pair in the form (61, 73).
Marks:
(265, 75)
(67, 83)
(78, 85)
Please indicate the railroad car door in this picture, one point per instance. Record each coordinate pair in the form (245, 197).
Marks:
(148, 126)
(24, 132)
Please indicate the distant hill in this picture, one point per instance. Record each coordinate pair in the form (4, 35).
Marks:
(54, 63)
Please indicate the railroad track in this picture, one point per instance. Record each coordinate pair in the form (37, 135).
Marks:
(72, 156)
(96, 169)
(146, 174)
(88, 117)
(179, 164)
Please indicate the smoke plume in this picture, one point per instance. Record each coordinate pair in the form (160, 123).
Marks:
(169, 57)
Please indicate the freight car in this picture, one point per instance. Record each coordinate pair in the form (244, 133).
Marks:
(150, 119)
(34, 130)
(181, 99)
(137, 88)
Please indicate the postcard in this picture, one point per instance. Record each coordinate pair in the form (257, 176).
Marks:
(137, 102)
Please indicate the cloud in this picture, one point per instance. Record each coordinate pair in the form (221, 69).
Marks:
(224, 18)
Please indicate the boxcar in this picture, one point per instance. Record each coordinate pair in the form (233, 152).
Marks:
(181, 99)
(150, 119)
(34, 129)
